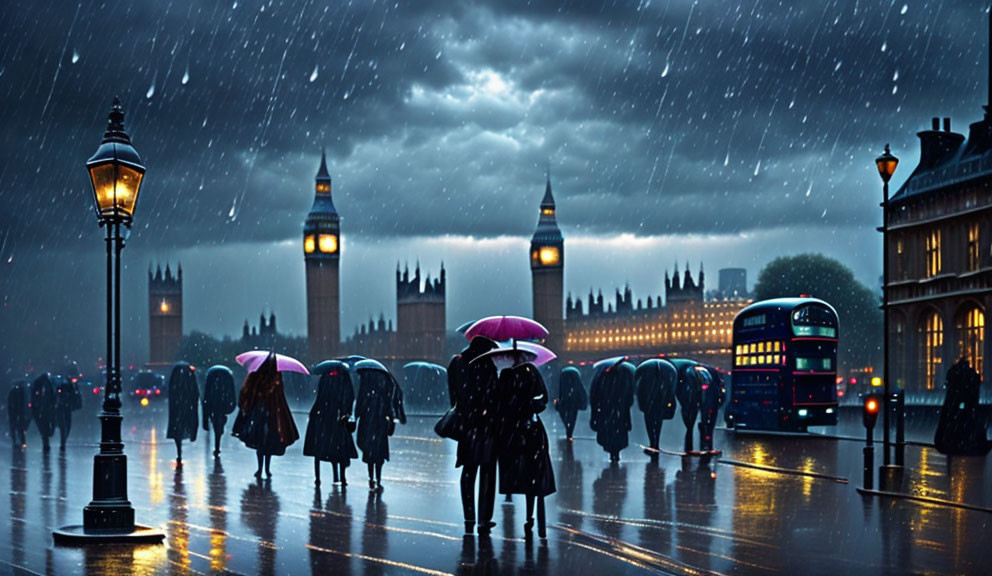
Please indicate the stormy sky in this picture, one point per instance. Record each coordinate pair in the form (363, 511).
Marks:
(727, 132)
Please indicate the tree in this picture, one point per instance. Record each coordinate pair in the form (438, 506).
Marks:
(829, 280)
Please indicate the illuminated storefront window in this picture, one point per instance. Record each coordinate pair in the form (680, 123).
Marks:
(970, 327)
(933, 253)
(932, 341)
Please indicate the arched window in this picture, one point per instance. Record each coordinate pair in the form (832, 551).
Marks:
(970, 332)
(931, 348)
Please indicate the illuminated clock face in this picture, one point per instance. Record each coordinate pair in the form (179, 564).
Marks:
(308, 244)
(164, 306)
(328, 243)
(548, 255)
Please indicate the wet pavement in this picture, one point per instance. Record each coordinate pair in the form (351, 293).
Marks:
(680, 516)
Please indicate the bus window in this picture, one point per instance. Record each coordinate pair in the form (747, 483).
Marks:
(814, 320)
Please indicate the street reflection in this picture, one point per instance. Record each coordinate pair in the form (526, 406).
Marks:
(18, 497)
(217, 503)
(477, 557)
(330, 530)
(177, 532)
(260, 512)
(609, 493)
(119, 559)
(570, 485)
(695, 497)
(658, 507)
(374, 542)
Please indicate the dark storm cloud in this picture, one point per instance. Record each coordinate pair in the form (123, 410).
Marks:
(658, 118)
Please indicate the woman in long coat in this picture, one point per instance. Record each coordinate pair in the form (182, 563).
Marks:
(654, 381)
(471, 391)
(375, 410)
(184, 400)
(67, 401)
(571, 399)
(264, 422)
(219, 400)
(688, 391)
(524, 458)
(17, 412)
(610, 398)
(43, 408)
(327, 437)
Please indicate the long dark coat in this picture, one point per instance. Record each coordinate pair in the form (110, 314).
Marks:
(610, 398)
(374, 410)
(711, 396)
(524, 457)
(43, 405)
(67, 401)
(17, 407)
(184, 400)
(327, 437)
(961, 429)
(471, 389)
(219, 398)
(655, 383)
(572, 396)
(264, 421)
(688, 390)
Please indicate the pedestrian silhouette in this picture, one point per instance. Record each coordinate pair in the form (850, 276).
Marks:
(524, 458)
(328, 437)
(961, 429)
(376, 411)
(43, 408)
(571, 400)
(219, 400)
(67, 401)
(18, 417)
(711, 395)
(655, 383)
(689, 395)
(611, 396)
(471, 390)
(184, 400)
(264, 422)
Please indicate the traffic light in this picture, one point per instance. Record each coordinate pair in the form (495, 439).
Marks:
(872, 406)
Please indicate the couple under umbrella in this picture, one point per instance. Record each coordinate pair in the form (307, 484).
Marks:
(496, 395)
(264, 422)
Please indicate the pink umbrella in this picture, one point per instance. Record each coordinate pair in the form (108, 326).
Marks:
(503, 328)
(509, 356)
(254, 359)
(543, 354)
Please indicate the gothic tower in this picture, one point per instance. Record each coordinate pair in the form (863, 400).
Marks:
(165, 315)
(321, 251)
(547, 268)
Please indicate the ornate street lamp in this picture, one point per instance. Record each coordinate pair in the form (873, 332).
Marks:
(116, 173)
(886, 164)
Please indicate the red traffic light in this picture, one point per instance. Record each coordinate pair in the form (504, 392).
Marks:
(871, 406)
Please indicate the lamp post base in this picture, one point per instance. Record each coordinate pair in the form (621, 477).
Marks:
(77, 535)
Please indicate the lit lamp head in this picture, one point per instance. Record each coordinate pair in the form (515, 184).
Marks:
(886, 164)
(116, 172)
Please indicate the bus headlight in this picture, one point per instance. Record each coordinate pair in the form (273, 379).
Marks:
(830, 410)
(803, 412)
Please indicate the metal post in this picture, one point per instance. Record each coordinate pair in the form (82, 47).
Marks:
(901, 428)
(885, 321)
(869, 460)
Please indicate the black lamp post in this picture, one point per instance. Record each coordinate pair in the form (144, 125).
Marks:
(115, 173)
(886, 164)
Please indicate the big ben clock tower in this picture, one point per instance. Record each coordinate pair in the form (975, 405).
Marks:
(547, 268)
(322, 251)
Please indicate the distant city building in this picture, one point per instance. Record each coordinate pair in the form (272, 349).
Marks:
(165, 315)
(685, 324)
(940, 259)
(322, 254)
(420, 332)
(732, 283)
(262, 336)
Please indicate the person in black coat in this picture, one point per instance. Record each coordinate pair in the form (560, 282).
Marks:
(571, 399)
(328, 437)
(43, 408)
(219, 400)
(524, 458)
(375, 410)
(471, 391)
(67, 401)
(17, 412)
(184, 398)
(610, 398)
(711, 396)
(655, 383)
(264, 421)
(689, 395)
(961, 428)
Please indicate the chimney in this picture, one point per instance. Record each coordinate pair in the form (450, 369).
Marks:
(937, 146)
(947, 124)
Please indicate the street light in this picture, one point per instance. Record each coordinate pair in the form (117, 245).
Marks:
(886, 164)
(116, 173)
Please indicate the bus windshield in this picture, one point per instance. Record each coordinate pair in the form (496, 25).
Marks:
(814, 320)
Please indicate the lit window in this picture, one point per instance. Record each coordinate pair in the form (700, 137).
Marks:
(970, 327)
(761, 346)
(328, 243)
(164, 307)
(900, 248)
(323, 188)
(973, 250)
(932, 342)
(308, 244)
(933, 253)
(548, 212)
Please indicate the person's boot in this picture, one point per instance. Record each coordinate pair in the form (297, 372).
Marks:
(469, 527)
